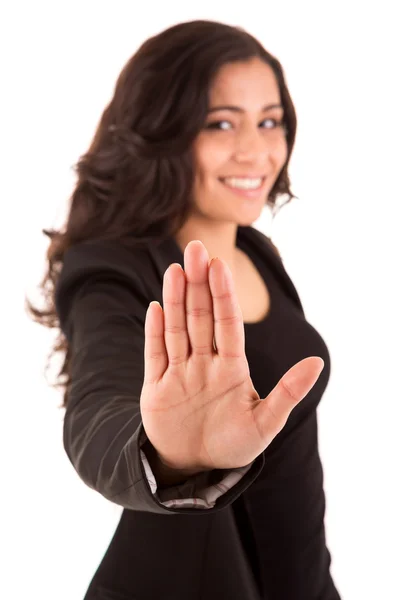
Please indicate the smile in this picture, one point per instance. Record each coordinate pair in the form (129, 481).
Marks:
(247, 187)
(243, 183)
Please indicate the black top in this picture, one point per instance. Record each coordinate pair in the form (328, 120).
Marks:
(265, 538)
(286, 503)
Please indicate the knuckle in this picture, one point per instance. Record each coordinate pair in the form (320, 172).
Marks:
(155, 355)
(288, 390)
(223, 296)
(229, 320)
(198, 312)
(174, 329)
(174, 304)
(177, 359)
(224, 354)
(201, 348)
(150, 335)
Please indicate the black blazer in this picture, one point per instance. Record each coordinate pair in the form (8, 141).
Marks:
(157, 552)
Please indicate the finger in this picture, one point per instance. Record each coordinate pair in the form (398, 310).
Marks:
(155, 353)
(175, 329)
(228, 319)
(273, 412)
(199, 305)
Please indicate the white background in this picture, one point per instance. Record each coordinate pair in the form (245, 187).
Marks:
(339, 243)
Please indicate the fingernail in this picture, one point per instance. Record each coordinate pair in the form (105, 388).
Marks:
(210, 261)
(151, 303)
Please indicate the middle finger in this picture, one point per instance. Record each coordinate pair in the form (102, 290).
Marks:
(199, 305)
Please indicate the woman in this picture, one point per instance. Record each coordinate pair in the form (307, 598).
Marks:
(195, 413)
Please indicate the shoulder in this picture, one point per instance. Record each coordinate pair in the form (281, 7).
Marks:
(273, 247)
(88, 263)
(261, 241)
(103, 256)
(110, 258)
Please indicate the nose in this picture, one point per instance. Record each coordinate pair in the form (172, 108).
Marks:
(251, 145)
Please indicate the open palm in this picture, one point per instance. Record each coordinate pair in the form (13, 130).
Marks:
(199, 407)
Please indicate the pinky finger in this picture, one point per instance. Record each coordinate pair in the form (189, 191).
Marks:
(155, 353)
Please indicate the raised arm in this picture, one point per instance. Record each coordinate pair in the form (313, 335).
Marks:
(207, 419)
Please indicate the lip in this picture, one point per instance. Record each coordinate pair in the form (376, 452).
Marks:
(247, 193)
(246, 176)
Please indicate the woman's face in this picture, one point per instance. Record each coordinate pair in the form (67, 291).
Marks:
(242, 147)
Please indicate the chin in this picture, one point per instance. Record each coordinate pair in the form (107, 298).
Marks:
(249, 216)
(246, 221)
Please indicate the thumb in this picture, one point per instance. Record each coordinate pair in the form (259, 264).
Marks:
(273, 412)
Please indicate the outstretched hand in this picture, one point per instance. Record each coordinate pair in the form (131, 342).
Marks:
(198, 404)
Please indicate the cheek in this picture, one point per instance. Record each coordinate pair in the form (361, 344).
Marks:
(281, 153)
(210, 157)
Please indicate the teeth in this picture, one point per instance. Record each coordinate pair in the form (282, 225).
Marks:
(242, 183)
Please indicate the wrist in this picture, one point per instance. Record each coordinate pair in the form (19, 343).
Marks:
(164, 474)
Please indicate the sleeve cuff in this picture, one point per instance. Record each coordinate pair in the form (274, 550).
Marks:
(200, 491)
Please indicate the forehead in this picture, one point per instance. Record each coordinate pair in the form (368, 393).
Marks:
(244, 83)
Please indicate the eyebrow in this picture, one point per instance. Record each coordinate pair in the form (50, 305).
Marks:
(241, 110)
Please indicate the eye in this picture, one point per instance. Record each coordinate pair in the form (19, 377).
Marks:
(278, 123)
(226, 125)
(217, 125)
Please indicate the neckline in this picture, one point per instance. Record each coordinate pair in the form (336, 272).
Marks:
(244, 244)
(257, 245)
(254, 260)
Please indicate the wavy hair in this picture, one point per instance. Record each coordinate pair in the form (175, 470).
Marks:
(136, 178)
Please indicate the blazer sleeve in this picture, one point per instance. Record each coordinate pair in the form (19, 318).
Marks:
(198, 491)
(102, 309)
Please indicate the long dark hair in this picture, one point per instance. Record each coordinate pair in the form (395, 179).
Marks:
(136, 178)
